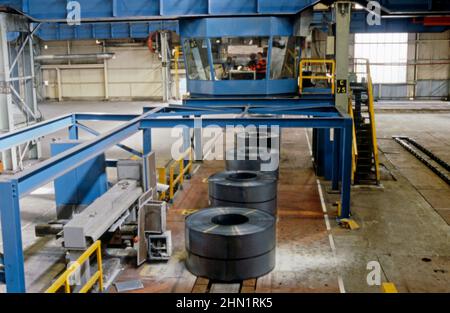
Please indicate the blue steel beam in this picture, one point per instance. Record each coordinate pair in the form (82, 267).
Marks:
(121, 146)
(105, 117)
(104, 31)
(50, 169)
(321, 122)
(127, 117)
(126, 10)
(35, 131)
(320, 101)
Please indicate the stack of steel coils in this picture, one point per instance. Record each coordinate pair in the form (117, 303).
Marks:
(236, 238)
(249, 159)
(268, 139)
(255, 190)
(230, 244)
(255, 151)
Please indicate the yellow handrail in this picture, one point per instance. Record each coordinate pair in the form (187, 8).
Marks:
(366, 63)
(372, 122)
(302, 77)
(63, 280)
(162, 180)
(183, 170)
(177, 75)
(355, 143)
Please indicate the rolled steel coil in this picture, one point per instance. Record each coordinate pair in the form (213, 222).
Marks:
(251, 139)
(230, 244)
(244, 189)
(253, 160)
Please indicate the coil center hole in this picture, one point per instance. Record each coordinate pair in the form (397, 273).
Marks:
(229, 219)
(243, 176)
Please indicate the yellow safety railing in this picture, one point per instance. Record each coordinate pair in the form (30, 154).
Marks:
(177, 74)
(355, 143)
(162, 180)
(372, 122)
(330, 78)
(372, 118)
(183, 169)
(63, 280)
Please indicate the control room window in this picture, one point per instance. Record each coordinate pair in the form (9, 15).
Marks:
(387, 53)
(284, 58)
(240, 58)
(197, 59)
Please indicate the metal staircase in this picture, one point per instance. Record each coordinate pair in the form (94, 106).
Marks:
(365, 154)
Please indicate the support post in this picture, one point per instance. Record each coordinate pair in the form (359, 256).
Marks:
(9, 157)
(320, 152)
(165, 59)
(343, 10)
(198, 139)
(36, 150)
(186, 138)
(105, 74)
(146, 141)
(12, 237)
(73, 130)
(346, 168)
(336, 159)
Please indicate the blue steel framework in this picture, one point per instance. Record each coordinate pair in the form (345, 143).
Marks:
(21, 184)
(141, 30)
(318, 114)
(138, 10)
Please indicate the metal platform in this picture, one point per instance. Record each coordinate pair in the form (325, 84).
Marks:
(14, 187)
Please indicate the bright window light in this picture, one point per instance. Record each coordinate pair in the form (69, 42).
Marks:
(387, 53)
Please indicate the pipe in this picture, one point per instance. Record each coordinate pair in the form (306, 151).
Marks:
(96, 56)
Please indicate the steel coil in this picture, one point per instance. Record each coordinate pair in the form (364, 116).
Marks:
(252, 160)
(268, 206)
(230, 244)
(243, 187)
(268, 139)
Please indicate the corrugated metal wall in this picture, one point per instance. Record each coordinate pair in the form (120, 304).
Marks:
(428, 75)
(134, 73)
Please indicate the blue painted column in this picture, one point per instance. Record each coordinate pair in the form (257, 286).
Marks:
(327, 154)
(346, 168)
(186, 141)
(320, 152)
(146, 150)
(146, 141)
(73, 129)
(336, 159)
(12, 237)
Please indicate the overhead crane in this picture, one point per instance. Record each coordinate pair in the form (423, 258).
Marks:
(203, 26)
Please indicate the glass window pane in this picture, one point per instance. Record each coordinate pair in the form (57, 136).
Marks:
(240, 58)
(197, 59)
(284, 58)
(387, 54)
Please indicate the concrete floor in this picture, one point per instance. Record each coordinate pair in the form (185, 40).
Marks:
(403, 224)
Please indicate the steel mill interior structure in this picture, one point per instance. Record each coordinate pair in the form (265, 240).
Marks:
(224, 146)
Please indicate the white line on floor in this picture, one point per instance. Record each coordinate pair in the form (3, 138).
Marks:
(195, 170)
(322, 200)
(309, 142)
(327, 223)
